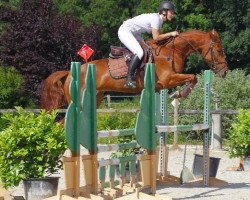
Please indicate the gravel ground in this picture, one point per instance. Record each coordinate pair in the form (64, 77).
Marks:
(238, 181)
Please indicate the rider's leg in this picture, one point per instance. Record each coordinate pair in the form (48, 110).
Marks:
(133, 65)
(130, 41)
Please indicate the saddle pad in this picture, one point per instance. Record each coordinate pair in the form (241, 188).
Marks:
(118, 68)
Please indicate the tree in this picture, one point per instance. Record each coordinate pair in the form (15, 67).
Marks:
(39, 41)
(11, 88)
(230, 17)
(109, 13)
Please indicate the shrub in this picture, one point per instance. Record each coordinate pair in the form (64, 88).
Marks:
(239, 135)
(233, 93)
(116, 121)
(11, 93)
(30, 146)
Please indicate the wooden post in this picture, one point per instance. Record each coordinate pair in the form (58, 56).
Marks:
(109, 101)
(176, 104)
(216, 131)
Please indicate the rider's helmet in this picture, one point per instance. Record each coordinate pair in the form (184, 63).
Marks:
(166, 5)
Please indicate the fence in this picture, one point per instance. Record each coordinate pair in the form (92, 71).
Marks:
(216, 116)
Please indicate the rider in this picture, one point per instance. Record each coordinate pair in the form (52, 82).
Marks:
(130, 32)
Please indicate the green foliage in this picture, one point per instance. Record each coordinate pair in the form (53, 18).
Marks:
(233, 90)
(233, 94)
(12, 3)
(237, 49)
(11, 93)
(231, 18)
(30, 146)
(116, 121)
(113, 122)
(3, 123)
(239, 135)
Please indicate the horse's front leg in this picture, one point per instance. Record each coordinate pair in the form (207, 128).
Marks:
(175, 80)
(180, 79)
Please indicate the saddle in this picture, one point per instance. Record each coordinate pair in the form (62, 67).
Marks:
(119, 58)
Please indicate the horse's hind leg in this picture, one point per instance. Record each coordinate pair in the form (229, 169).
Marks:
(99, 97)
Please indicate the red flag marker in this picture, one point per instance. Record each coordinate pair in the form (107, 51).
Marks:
(85, 52)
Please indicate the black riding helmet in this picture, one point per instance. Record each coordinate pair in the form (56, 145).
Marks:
(167, 5)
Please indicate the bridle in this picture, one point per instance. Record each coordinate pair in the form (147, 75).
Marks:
(213, 63)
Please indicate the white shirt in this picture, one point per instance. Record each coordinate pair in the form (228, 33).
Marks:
(144, 23)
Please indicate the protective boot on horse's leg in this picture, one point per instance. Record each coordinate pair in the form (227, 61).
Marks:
(133, 65)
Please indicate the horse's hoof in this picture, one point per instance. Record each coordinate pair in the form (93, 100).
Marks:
(175, 95)
(184, 93)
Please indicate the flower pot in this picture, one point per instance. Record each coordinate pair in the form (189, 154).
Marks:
(247, 163)
(40, 188)
(198, 166)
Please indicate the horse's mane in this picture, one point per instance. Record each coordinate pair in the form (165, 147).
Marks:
(192, 32)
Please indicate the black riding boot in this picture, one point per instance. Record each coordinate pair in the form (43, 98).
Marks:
(133, 65)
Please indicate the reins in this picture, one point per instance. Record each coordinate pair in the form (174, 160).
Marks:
(162, 43)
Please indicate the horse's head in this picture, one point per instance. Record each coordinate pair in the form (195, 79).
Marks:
(214, 55)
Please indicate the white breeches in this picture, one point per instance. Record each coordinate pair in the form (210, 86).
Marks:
(130, 40)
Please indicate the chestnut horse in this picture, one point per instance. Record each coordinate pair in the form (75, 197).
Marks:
(169, 60)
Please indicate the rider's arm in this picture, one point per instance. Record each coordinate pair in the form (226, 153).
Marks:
(158, 36)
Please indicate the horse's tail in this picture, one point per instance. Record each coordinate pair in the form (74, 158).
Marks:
(52, 95)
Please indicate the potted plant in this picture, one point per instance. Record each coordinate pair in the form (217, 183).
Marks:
(239, 139)
(30, 150)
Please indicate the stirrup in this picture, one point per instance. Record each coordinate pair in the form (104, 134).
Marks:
(130, 84)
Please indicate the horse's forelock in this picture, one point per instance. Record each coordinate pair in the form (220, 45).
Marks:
(214, 35)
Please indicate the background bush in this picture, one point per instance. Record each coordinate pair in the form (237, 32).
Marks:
(239, 135)
(233, 93)
(11, 88)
